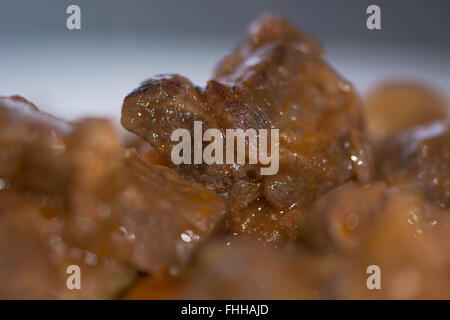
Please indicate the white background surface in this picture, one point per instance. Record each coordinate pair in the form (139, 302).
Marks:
(89, 75)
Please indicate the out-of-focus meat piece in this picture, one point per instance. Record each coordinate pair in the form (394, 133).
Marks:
(155, 288)
(394, 151)
(35, 257)
(400, 231)
(112, 202)
(419, 157)
(340, 218)
(398, 106)
(147, 215)
(32, 147)
(248, 271)
(275, 79)
(148, 152)
(393, 228)
(132, 209)
(152, 155)
(33, 175)
(429, 167)
(409, 240)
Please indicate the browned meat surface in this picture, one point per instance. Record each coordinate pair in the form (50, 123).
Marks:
(106, 200)
(429, 167)
(275, 79)
(409, 127)
(418, 157)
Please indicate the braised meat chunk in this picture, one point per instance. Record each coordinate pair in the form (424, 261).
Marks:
(275, 79)
(418, 157)
(75, 189)
(338, 220)
(429, 167)
(36, 261)
(400, 105)
(409, 240)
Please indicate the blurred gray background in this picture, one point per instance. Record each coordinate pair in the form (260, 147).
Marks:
(89, 71)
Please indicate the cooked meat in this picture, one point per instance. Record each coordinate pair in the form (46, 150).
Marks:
(429, 167)
(35, 257)
(163, 287)
(339, 219)
(151, 154)
(109, 200)
(410, 147)
(139, 226)
(32, 147)
(393, 228)
(409, 240)
(420, 157)
(350, 229)
(275, 79)
(262, 222)
(248, 271)
(153, 218)
(398, 106)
